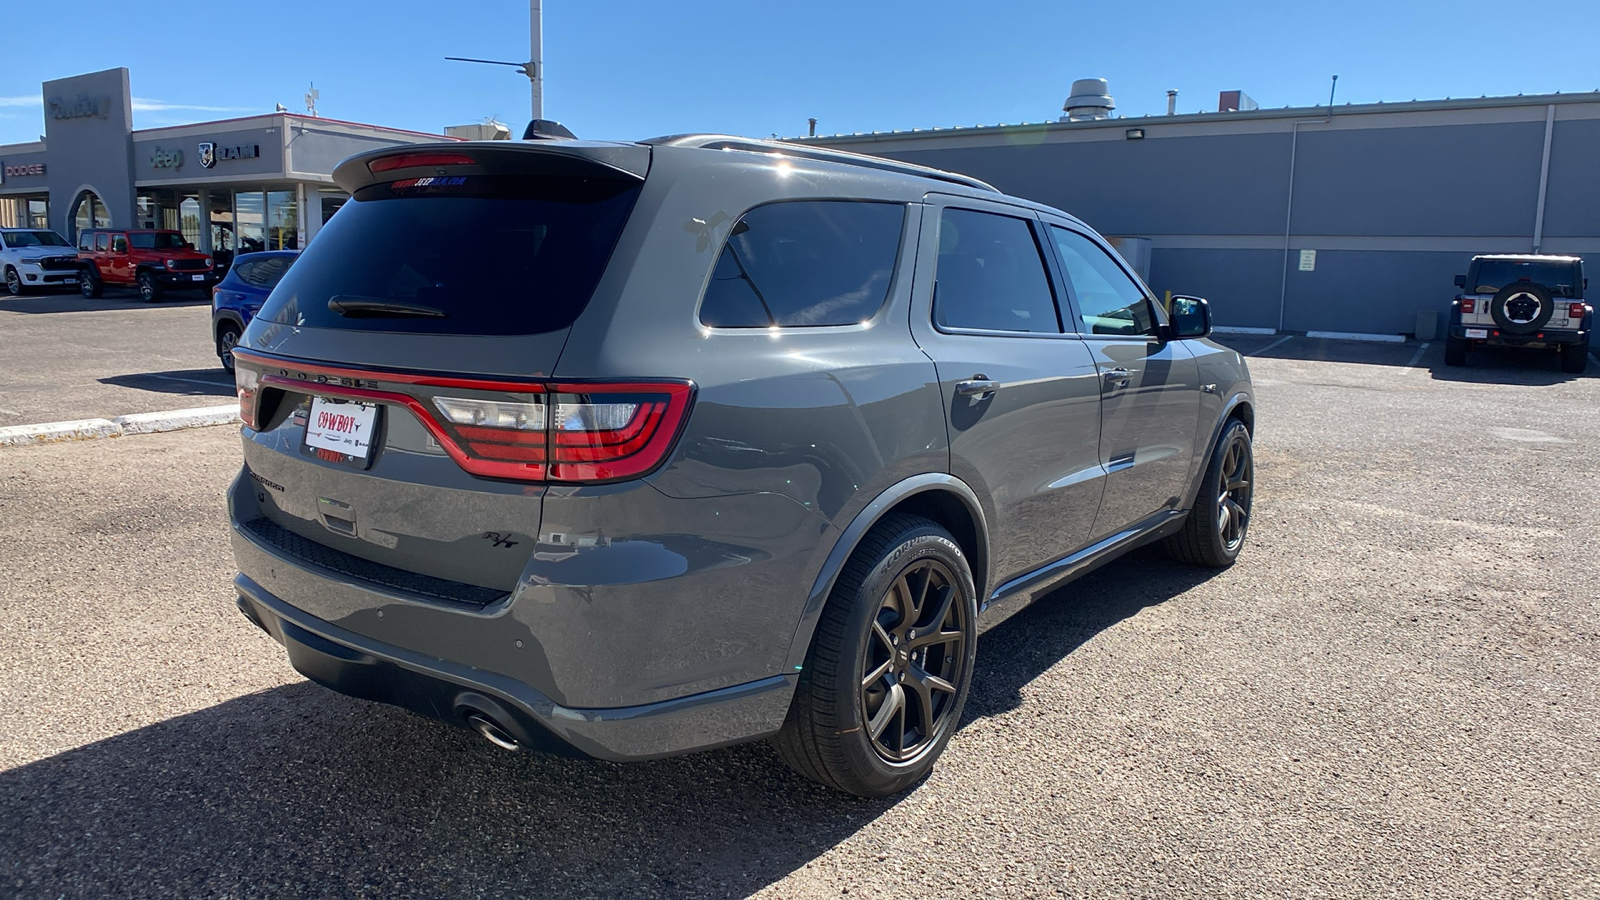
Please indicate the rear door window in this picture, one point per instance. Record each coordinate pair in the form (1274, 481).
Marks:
(489, 255)
(265, 273)
(990, 275)
(805, 263)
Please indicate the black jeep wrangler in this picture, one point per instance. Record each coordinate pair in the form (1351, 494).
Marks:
(1522, 300)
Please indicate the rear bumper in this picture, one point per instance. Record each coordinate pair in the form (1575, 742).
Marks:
(450, 692)
(1521, 340)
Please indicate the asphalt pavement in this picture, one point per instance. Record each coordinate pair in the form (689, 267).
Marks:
(64, 357)
(1393, 693)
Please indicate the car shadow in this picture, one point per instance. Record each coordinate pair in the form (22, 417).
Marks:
(300, 791)
(215, 382)
(111, 298)
(1510, 365)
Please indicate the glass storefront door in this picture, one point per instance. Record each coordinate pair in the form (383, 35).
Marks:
(283, 224)
(249, 221)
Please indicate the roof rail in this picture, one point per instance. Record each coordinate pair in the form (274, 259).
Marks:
(756, 145)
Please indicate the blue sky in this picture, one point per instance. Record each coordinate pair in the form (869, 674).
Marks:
(632, 69)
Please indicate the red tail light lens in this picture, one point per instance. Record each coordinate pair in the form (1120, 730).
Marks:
(1575, 311)
(613, 431)
(408, 160)
(1468, 306)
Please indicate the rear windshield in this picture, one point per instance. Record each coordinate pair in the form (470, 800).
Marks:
(157, 241)
(263, 273)
(1559, 277)
(492, 254)
(35, 239)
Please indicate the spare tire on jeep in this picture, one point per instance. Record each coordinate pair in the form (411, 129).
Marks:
(1522, 307)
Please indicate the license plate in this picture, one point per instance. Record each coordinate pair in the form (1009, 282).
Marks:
(342, 426)
(1477, 332)
(197, 278)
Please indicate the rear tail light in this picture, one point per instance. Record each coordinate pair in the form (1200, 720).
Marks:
(1575, 311)
(528, 431)
(408, 160)
(1467, 306)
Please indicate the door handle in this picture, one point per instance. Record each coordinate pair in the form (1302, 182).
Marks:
(977, 386)
(1117, 378)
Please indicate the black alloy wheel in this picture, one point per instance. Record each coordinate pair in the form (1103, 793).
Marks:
(890, 663)
(13, 281)
(227, 339)
(149, 290)
(1215, 530)
(914, 661)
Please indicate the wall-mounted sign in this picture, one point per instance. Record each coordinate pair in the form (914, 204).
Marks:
(1308, 260)
(166, 159)
(22, 170)
(82, 106)
(210, 152)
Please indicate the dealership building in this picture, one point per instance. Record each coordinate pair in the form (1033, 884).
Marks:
(1345, 219)
(253, 183)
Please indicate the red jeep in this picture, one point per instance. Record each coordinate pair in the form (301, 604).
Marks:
(153, 261)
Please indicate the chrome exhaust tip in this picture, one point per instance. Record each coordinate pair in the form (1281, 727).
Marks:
(492, 732)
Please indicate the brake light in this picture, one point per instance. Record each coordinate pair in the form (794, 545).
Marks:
(1467, 306)
(1575, 311)
(408, 160)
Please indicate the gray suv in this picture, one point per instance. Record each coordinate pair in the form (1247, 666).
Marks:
(634, 449)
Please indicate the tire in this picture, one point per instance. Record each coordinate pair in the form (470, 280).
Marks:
(869, 717)
(89, 284)
(1522, 307)
(1575, 358)
(14, 282)
(227, 337)
(1455, 351)
(149, 288)
(1215, 530)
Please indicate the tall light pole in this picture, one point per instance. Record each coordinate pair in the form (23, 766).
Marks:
(534, 67)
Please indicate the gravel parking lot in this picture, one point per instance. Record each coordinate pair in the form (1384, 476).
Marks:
(1394, 693)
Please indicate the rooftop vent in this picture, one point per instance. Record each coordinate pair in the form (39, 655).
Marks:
(1089, 100)
(1234, 101)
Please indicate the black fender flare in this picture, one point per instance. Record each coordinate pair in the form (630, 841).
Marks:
(1234, 402)
(850, 538)
(220, 316)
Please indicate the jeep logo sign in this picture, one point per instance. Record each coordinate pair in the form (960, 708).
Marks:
(166, 159)
(210, 152)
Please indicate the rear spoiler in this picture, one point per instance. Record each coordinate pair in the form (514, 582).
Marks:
(578, 159)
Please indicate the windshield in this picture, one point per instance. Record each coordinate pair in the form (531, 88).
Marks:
(495, 254)
(35, 239)
(157, 241)
(1494, 274)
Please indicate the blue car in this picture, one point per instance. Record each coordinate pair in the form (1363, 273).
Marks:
(238, 297)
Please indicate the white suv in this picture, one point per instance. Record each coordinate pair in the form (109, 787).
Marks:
(1522, 300)
(36, 257)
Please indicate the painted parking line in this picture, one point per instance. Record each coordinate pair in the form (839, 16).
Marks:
(1283, 340)
(1416, 358)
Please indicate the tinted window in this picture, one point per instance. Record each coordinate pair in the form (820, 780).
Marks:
(990, 275)
(1494, 274)
(805, 263)
(34, 239)
(1109, 302)
(264, 273)
(156, 241)
(119, 243)
(499, 254)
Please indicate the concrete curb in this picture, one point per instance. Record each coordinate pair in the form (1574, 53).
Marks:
(138, 423)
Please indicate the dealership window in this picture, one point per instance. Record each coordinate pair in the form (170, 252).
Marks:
(91, 212)
(189, 219)
(249, 221)
(38, 214)
(283, 224)
(221, 217)
(146, 210)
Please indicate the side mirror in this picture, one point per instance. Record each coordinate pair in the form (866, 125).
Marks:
(1191, 317)
(1461, 281)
